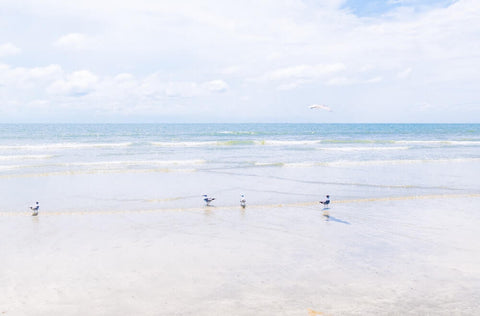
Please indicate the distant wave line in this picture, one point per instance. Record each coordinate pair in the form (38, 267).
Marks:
(254, 142)
(439, 142)
(63, 146)
(237, 133)
(401, 161)
(370, 148)
(339, 163)
(135, 162)
(111, 164)
(274, 142)
(25, 157)
(238, 143)
(403, 142)
(97, 171)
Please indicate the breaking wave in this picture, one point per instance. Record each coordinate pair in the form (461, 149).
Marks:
(364, 148)
(136, 163)
(25, 157)
(63, 146)
(340, 163)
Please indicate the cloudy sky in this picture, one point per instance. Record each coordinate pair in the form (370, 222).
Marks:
(239, 61)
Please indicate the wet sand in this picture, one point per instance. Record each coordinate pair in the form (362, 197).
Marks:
(404, 256)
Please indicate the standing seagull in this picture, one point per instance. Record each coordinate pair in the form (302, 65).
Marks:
(243, 201)
(325, 207)
(35, 209)
(326, 202)
(207, 199)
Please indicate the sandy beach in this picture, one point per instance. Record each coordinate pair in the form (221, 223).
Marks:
(123, 230)
(120, 121)
(414, 255)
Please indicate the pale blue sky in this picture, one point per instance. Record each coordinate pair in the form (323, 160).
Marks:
(239, 61)
(372, 8)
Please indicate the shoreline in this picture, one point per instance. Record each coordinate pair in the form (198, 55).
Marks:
(249, 206)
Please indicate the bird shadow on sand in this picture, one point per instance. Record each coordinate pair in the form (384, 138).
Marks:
(334, 219)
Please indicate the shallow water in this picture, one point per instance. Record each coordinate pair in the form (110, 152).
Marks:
(110, 167)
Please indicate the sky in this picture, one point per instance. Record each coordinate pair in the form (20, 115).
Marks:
(152, 61)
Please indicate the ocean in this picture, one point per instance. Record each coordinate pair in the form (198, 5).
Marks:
(142, 167)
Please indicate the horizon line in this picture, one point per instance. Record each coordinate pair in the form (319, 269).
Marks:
(219, 123)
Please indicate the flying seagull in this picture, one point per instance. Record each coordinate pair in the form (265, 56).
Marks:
(320, 107)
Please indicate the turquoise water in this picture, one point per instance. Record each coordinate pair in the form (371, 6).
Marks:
(151, 166)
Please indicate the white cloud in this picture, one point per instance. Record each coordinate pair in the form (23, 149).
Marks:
(78, 83)
(290, 78)
(230, 70)
(307, 72)
(8, 49)
(124, 77)
(194, 89)
(215, 86)
(291, 85)
(404, 74)
(340, 81)
(425, 106)
(182, 89)
(39, 104)
(74, 41)
(344, 81)
(374, 79)
(50, 71)
(16, 76)
(170, 53)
